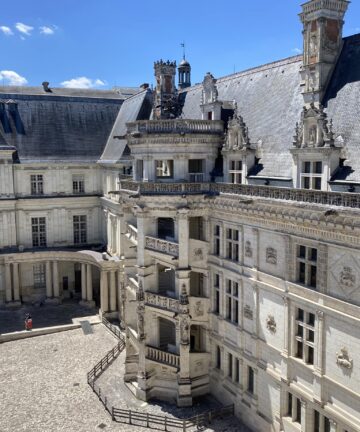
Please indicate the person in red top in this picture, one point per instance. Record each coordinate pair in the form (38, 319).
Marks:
(28, 322)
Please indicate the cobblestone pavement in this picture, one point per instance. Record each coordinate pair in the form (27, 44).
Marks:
(43, 385)
(43, 316)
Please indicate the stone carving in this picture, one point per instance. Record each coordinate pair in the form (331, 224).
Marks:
(343, 359)
(140, 293)
(314, 129)
(313, 45)
(184, 331)
(271, 256)
(271, 324)
(210, 93)
(237, 135)
(248, 249)
(184, 298)
(347, 277)
(141, 321)
(198, 254)
(199, 309)
(248, 313)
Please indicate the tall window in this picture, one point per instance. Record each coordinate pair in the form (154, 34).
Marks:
(311, 173)
(235, 171)
(78, 184)
(230, 366)
(37, 185)
(306, 265)
(321, 423)
(251, 380)
(237, 371)
(80, 235)
(39, 272)
(294, 408)
(217, 232)
(196, 170)
(38, 229)
(232, 301)
(218, 357)
(305, 336)
(164, 168)
(232, 244)
(217, 293)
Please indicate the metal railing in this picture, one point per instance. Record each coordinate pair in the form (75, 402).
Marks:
(104, 363)
(114, 330)
(338, 199)
(137, 418)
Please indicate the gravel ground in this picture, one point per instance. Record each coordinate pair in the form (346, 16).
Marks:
(43, 385)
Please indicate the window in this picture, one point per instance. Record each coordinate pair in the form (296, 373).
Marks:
(79, 223)
(38, 229)
(230, 365)
(306, 265)
(232, 244)
(196, 170)
(235, 171)
(37, 185)
(218, 357)
(217, 293)
(166, 228)
(305, 336)
(164, 168)
(237, 371)
(250, 386)
(232, 301)
(217, 232)
(39, 276)
(294, 408)
(78, 184)
(321, 423)
(311, 173)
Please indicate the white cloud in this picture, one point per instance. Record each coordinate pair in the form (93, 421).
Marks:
(6, 30)
(12, 78)
(83, 83)
(24, 29)
(45, 30)
(296, 50)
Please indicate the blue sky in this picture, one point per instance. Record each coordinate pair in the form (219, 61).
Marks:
(115, 42)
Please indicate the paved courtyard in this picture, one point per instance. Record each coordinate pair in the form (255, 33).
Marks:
(43, 386)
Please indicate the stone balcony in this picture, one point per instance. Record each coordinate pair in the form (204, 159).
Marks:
(131, 233)
(337, 199)
(161, 301)
(160, 356)
(162, 246)
(177, 126)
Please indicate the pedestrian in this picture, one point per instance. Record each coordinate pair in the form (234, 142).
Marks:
(28, 322)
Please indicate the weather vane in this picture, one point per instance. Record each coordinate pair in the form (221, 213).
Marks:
(183, 47)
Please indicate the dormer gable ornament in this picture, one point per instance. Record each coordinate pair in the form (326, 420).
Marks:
(314, 129)
(237, 135)
(210, 92)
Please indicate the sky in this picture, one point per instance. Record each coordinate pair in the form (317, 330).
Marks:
(107, 43)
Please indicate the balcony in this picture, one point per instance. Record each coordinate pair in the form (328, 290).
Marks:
(131, 233)
(162, 246)
(148, 127)
(164, 357)
(338, 199)
(159, 301)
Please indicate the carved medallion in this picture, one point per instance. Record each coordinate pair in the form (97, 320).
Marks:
(271, 324)
(343, 359)
(198, 254)
(199, 309)
(271, 256)
(248, 249)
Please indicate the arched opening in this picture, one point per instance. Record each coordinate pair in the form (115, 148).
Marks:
(197, 284)
(166, 281)
(197, 339)
(167, 335)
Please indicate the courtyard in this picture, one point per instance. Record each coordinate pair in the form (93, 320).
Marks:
(43, 386)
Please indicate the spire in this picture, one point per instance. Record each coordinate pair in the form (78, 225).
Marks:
(184, 70)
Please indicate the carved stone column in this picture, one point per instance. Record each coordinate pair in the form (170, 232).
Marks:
(16, 282)
(89, 286)
(184, 397)
(83, 282)
(8, 284)
(112, 291)
(183, 229)
(104, 295)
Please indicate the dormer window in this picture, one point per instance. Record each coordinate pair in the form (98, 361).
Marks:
(311, 174)
(235, 171)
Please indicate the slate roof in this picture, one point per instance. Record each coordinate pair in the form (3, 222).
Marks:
(134, 108)
(71, 127)
(270, 101)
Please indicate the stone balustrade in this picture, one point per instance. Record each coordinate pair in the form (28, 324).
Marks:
(168, 303)
(161, 356)
(175, 126)
(131, 233)
(338, 199)
(163, 246)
